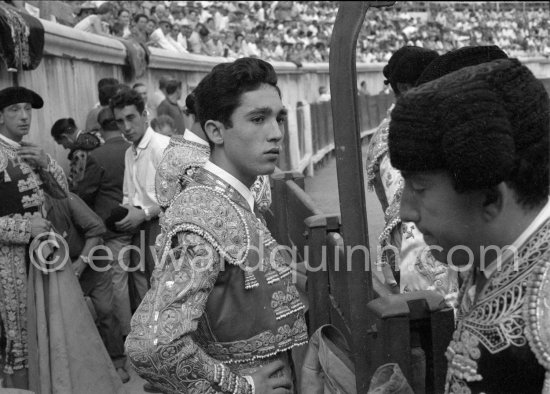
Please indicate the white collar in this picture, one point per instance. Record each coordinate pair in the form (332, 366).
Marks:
(188, 135)
(234, 182)
(9, 141)
(145, 139)
(543, 215)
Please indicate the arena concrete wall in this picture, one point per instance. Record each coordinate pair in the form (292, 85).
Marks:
(74, 61)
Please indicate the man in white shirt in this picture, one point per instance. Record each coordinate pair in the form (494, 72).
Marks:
(139, 198)
(161, 36)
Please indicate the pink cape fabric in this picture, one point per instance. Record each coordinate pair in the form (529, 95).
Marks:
(66, 353)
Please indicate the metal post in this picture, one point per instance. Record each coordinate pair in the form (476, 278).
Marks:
(347, 141)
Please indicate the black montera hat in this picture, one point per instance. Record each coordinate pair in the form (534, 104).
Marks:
(15, 95)
(460, 58)
(479, 123)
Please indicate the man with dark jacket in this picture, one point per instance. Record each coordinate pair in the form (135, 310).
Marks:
(101, 189)
(170, 105)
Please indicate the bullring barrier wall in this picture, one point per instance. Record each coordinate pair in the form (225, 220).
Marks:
(74, 61)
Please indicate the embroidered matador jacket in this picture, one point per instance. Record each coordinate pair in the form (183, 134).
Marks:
(221, 301)
(502, 340)
(21, 197)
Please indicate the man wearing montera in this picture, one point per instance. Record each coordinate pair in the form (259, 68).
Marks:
(222, 313)
(472, 147)
(25, 172)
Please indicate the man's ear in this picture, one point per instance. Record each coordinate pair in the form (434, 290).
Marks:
(494, 200)
(214, 131)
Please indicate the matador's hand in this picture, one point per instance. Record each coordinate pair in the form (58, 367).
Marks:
(33, 154)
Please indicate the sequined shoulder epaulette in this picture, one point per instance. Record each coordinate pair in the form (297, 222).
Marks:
(212, 215)
(179, 162)
(537, 316)
(87, 141)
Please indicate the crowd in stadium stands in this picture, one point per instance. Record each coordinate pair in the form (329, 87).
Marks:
(299, 31)
(520, 34)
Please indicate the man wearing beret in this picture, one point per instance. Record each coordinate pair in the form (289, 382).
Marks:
(25, 172)
(472, 147)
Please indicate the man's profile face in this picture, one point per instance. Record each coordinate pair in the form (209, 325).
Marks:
(131, 123)
(15, 120)
(252, 144)
(445, 217)
(67, 141)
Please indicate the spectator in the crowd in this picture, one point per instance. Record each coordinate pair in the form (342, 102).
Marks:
(175, 35)
(323, 94)
(185, 33)
(210, 25)
(124, 19)
(150, 27)
(228, 41)
(171, 107)
(140, 163)
(193, 18)
(164, 125)
(139, 31)
(86, 9)
(79, 143)
(101, 189)
(117, 29)
(83, 230)
(221, 17)
(162, 38)
(195, 41)
(95, 23)
(160, 13)
(446, 27)
(177, 16)
(217, 45)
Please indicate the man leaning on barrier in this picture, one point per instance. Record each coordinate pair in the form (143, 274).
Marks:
(221, 317)
(472, 147)
(25, 172)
